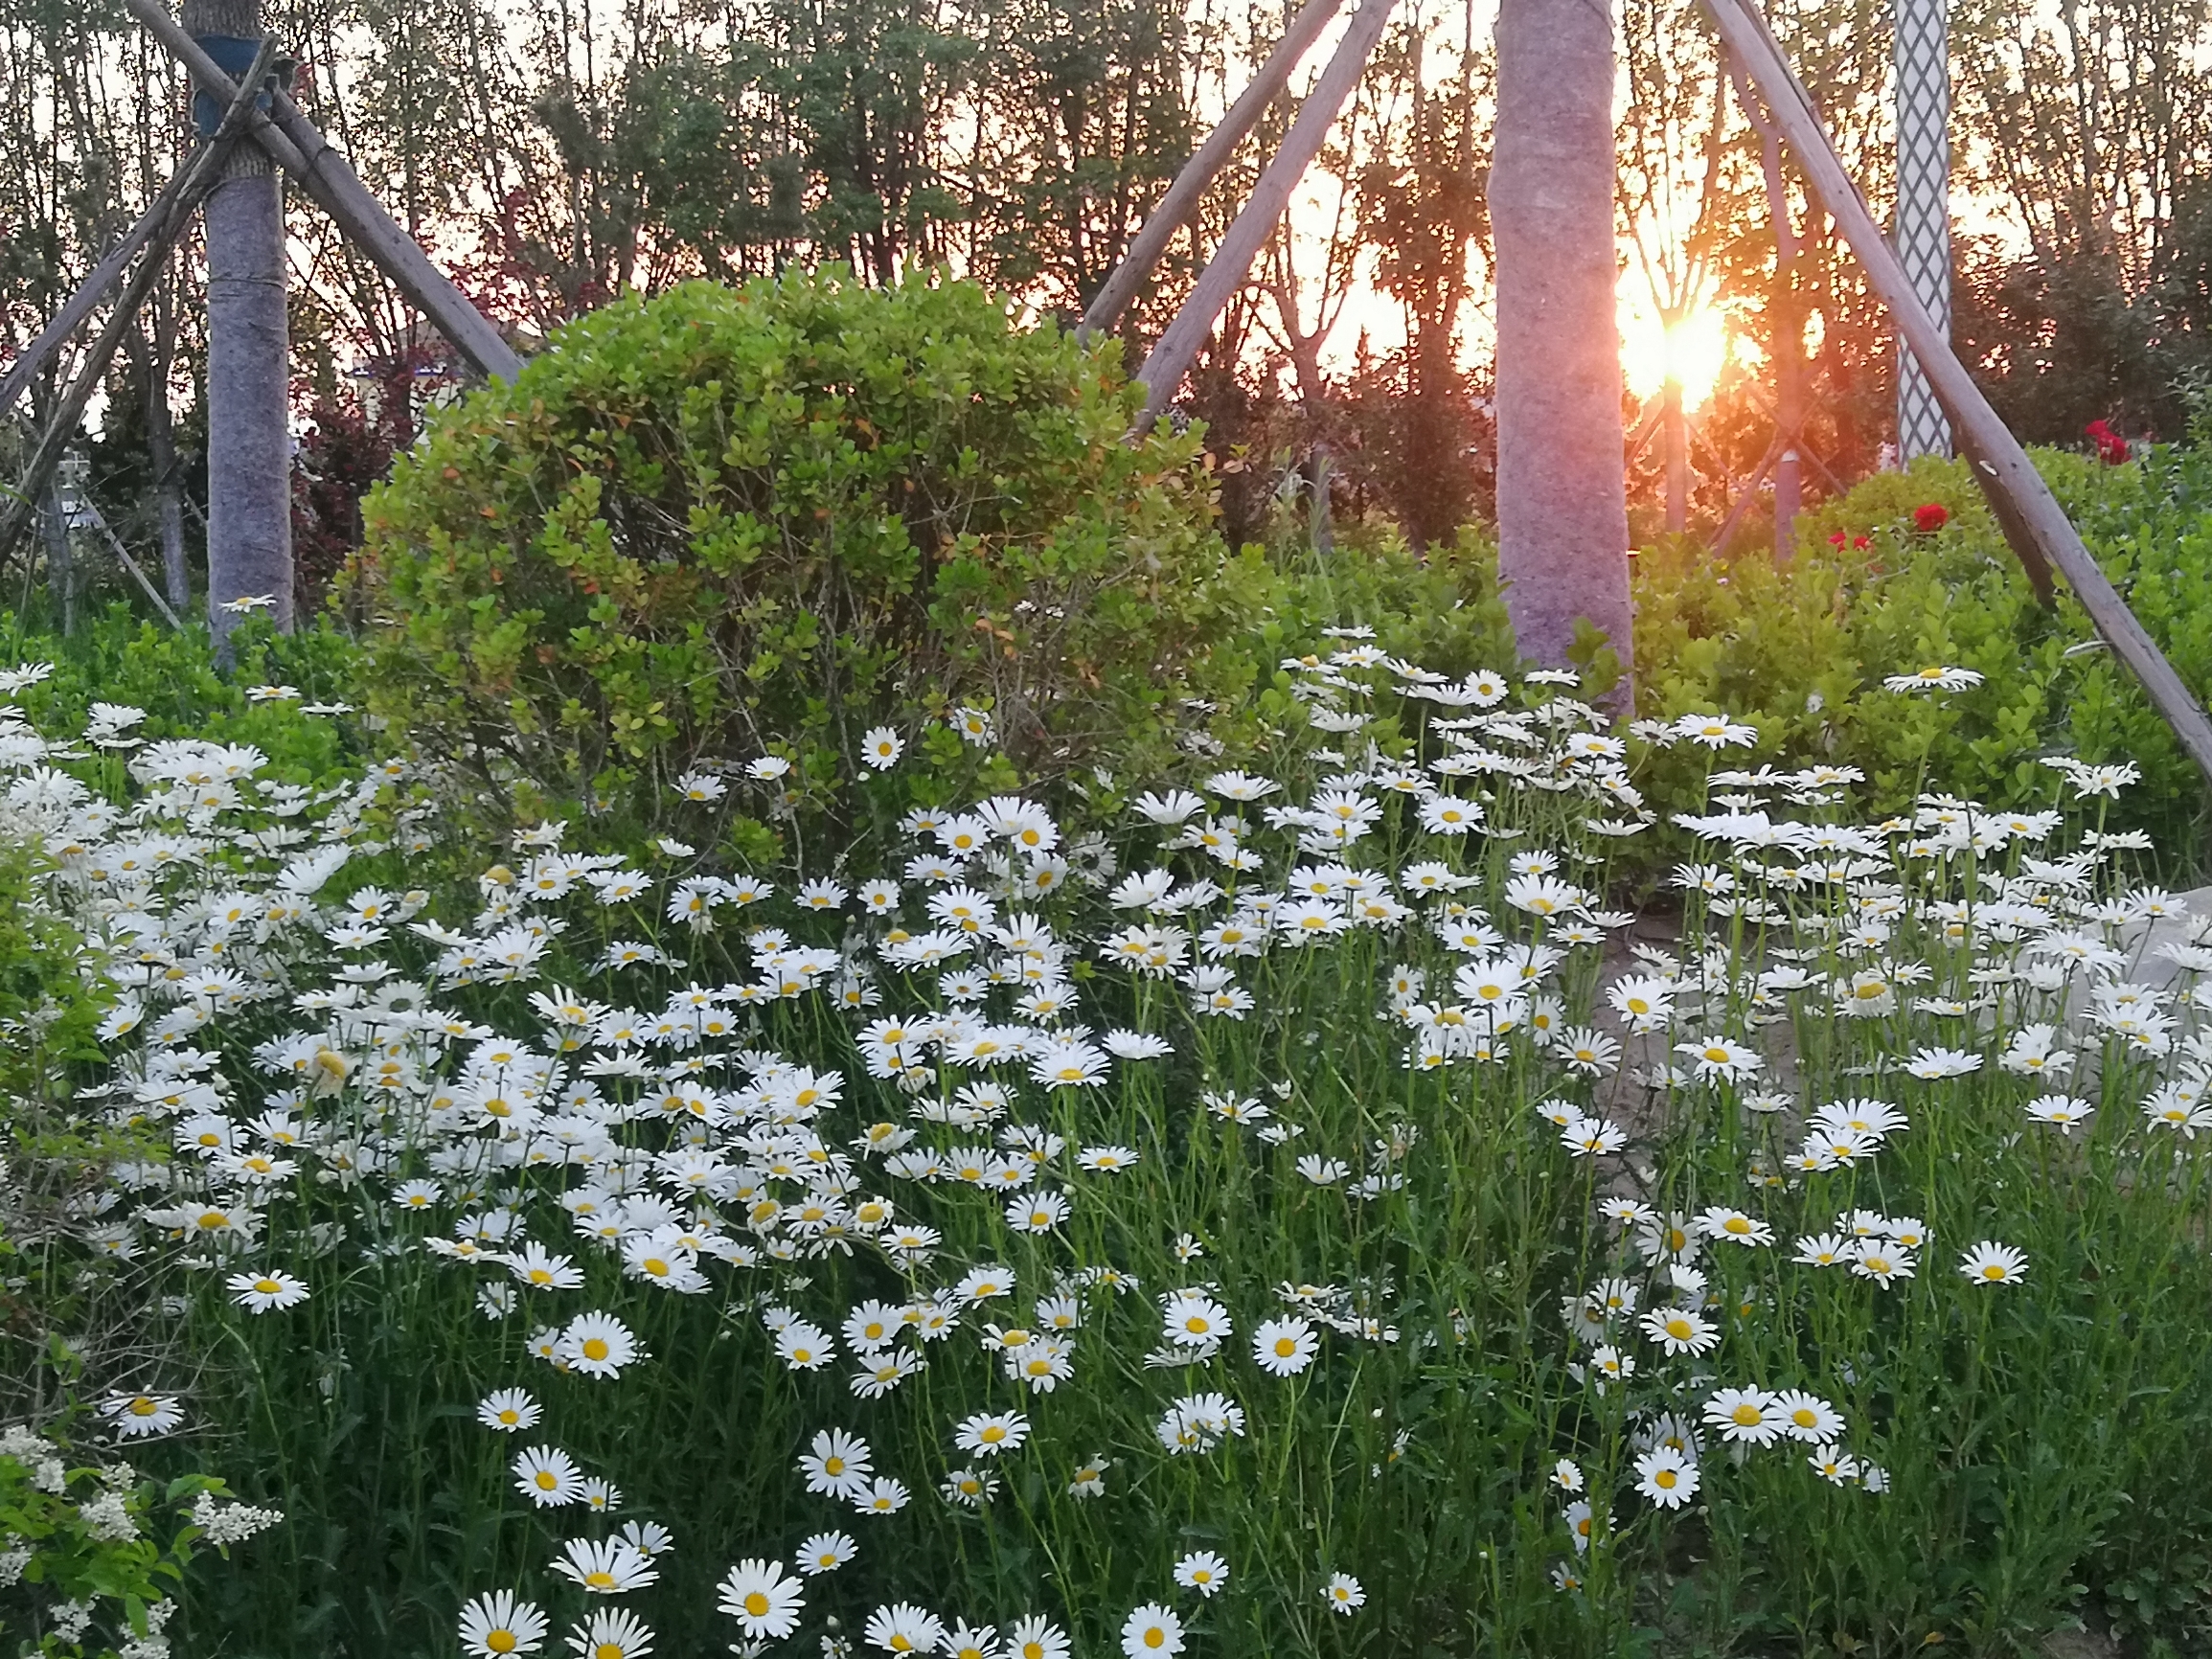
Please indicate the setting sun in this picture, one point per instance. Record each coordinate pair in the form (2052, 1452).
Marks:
(1695, 350)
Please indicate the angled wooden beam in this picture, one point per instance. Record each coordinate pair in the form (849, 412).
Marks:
(131, 564)
(1232, 261)
(91, 291)
(1645, 428)
(331, 183)
(1189, 188)
(1748, 494)
(2033, 521)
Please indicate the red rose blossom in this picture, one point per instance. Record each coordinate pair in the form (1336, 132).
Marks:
(1930, 516)
(2112, 447)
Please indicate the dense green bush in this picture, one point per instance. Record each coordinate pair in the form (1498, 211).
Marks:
(1801, 653)
(723, 522)
(174, 679)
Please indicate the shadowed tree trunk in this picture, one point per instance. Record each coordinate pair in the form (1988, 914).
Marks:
(1562, 516)
(1675, 434)
(160, 451)
(249, 540)
(151, 351)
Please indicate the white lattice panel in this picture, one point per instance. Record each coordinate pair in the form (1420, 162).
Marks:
(1922, 229)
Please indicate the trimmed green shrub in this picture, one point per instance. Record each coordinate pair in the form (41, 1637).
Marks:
(728, 522)
(174, 678)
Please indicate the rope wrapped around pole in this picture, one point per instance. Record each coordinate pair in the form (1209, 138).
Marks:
(333, 185)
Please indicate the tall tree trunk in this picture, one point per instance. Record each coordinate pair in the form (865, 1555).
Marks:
(1563, 513)
(1788, 413)
(249, 541)
(60, 567)
(1787, 336)
(162, 452)
(1321, 526)
(1676, 432)
(152, 350)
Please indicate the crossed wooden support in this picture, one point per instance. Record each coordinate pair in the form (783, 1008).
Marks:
(2034, 524)
(301, 152)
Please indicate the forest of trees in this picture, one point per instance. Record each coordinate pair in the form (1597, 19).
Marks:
(553, 152)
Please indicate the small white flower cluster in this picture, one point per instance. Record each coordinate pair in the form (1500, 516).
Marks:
(227, 1524)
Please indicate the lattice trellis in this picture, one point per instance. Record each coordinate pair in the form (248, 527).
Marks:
(1922, 227)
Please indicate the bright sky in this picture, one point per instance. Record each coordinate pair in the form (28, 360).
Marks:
(1700, 347)
(1696, 354)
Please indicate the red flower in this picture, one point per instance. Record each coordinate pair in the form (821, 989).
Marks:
(2112, 447)
(1836, 540)
(1930, 516)
(1862, 542)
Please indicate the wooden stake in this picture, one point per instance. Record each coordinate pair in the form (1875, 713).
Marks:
(1748, 494)
(1183, 196)
(1232, 261)
(2033, 523)
(331, 182)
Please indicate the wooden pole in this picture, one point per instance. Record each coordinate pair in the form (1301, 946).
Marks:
(60, 567)
(1787, 330)
(2033, 521)
(332, 184)
(131, 564)
(1175, 207)
(69, 411)
(1232, 261)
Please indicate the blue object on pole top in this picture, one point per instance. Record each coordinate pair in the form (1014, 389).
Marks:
(234, 56)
